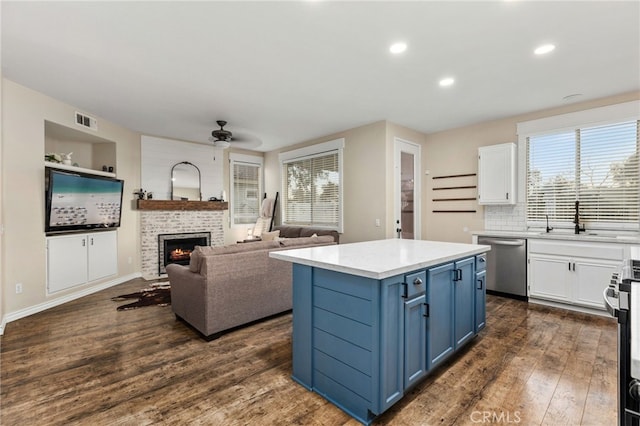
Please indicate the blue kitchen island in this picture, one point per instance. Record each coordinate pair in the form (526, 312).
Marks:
(371, 319)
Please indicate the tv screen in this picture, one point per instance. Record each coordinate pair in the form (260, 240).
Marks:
(79, 201)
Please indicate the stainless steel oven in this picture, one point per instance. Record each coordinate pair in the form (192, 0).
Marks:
(622, 300)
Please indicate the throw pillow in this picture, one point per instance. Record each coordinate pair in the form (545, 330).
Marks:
(270, 236)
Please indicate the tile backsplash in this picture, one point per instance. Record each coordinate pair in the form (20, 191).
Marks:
(505, 218)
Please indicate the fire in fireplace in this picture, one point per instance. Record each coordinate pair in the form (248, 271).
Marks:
(177, 248)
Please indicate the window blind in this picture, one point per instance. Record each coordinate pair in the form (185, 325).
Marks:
(312, 190)
(245, 192)
(596, 165)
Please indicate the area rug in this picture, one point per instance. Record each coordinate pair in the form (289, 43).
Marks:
(158, 294)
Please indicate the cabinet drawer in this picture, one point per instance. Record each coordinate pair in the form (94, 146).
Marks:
(481, 262)
(416, 283)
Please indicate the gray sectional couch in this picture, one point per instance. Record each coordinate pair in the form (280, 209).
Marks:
(226, 287)
(290, 231)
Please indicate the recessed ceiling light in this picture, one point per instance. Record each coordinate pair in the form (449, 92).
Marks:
(398, 47)
(448, 81)
(545, 48)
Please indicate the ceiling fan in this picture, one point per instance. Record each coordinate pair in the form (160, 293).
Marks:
(222, 138)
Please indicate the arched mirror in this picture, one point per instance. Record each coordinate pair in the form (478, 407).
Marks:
(185, 182)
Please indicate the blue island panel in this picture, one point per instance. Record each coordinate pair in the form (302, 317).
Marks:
(342, 319)
(362, 342)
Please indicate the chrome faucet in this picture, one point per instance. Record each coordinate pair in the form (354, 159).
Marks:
(576, 220)
(548, 227)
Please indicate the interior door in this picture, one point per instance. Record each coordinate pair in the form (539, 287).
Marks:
(407, 189)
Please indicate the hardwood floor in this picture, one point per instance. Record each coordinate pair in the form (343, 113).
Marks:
(85, 363)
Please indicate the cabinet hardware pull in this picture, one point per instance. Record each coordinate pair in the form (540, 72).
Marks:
(417, 281)
(480, 288)
(84, 242)
(426, 314)
(459, 274)
(507, 195)
(404, 290)
(574, 266)
(569, 265)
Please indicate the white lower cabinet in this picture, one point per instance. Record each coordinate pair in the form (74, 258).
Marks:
(574, 273)
(549, 278)
(593, 275)
(78, 259)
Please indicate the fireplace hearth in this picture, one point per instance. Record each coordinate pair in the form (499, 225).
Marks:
(177, 248)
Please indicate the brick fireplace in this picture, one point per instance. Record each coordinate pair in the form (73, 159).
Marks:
(177, 248)
(172, 217)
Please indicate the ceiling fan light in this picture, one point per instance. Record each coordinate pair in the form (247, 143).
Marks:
(221, 144)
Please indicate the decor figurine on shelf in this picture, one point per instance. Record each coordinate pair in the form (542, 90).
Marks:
(66, 158)
(140, 193)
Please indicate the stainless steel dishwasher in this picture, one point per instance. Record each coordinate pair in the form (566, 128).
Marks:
(506, 266)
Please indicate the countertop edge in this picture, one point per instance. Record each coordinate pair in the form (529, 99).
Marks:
(559, 236)
(282, 255)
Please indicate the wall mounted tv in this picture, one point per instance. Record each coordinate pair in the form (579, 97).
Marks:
(76, 201)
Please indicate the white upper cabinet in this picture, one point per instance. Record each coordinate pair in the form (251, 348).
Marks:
(497, 174)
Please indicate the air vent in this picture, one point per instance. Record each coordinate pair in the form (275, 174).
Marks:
(86, 121)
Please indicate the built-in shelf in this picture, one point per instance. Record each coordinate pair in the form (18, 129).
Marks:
(181, 205)
(77, 169)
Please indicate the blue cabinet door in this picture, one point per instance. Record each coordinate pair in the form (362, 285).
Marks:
(391, 382)
(440, 337)
(464, 289)
(481, 296)
(415, 341)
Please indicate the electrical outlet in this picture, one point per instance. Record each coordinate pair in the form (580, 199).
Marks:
(378, 223)
(18, 288)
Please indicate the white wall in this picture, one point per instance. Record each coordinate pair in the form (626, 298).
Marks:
(2, 323)
(367, 180)
(456, 151)
(159, 155)
(24, 112)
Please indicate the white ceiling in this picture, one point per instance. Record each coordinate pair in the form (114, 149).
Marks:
(286, 72)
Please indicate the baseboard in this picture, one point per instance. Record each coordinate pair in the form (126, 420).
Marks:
(583, 309)
(13, 316)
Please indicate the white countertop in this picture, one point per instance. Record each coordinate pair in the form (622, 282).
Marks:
(566, 235)
(382, 258)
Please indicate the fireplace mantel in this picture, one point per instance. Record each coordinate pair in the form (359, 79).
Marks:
(181, 205)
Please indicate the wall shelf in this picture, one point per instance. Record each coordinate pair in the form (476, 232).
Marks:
(455, 187)
(181, 205)
(456, 197)
(453, 211)
(77, 169)
(454, 176)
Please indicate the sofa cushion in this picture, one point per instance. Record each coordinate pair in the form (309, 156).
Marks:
(287, 231)
(293, 242)
(308, 232)
(270, 236)
(196, 255)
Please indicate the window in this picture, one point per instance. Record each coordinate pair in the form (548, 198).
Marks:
(246, 187)
(596, 165)
(311, 186)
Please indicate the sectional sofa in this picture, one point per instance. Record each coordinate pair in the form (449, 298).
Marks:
(223, 288)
